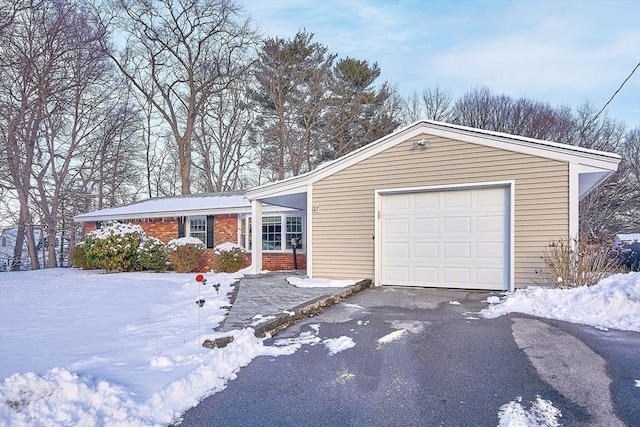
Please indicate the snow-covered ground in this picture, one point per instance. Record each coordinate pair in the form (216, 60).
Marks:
(613, 303)
(85, 348)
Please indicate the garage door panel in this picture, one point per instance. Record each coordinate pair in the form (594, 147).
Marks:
(457, 199)
(397, 225)
(457, 276)
(494, 197)
(426, 275)
(456, 225)
(490, 223)
(489, 276)
(398, 250)
(426, 250)
(426, 225)
(489, 250)
(457, 250)
(450, 238)
(397, 274)
(426, 201)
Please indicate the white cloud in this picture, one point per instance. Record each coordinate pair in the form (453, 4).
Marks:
(562, 52)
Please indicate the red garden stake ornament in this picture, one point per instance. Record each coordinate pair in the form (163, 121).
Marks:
(200, 301)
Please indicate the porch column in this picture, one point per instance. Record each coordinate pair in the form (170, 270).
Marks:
(256, 236)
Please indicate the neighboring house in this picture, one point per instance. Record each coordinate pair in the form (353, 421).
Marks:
(440, 205)
(214, 218)
(8, 243)
(627, 247)
(626, 238)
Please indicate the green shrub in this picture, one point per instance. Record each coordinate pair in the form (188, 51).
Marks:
(79, 257)
(230, 257)
(152, 255)
(571, 263)
(114, 247)
(185, 254)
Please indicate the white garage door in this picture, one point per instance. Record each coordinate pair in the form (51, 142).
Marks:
(452, 239)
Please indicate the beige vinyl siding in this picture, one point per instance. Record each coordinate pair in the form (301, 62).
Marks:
(343, 220)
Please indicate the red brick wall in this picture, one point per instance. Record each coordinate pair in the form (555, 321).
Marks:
(278, 261)
(225, 229)
(163, 229)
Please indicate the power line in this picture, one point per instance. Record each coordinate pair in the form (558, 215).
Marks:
(612, 96)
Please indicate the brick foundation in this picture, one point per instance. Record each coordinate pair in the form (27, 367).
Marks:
(278, 261)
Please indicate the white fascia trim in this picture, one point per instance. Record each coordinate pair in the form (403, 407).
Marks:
(280, 188)
(470, 186)
(510, 184)
(309, 224)
(516, 138)
(574, 200)
(512, 236)
(377, 240)
(179, 214)
(154, 215)
(538, 148)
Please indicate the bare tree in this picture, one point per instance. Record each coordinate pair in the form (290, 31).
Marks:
(437, 104)
(27, 77)
(412, 109)
(57, 93)
(177, 54)
(221, 139)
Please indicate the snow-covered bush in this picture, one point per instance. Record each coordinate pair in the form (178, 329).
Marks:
(230, 257)
(114, 247)
(185, 254)
(79, 257)
(571, 263)
(152, 255)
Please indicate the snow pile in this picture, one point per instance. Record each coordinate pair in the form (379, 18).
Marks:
(302, 282)
(174, 244)
(336, 345)
(88, 348)
(613, 303)
(227, 247)
(390, 337)
(541, 413)
(116, 229)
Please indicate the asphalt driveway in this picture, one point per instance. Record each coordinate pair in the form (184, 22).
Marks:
(420, 359)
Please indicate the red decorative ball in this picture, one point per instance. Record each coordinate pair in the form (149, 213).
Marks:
(199, 278)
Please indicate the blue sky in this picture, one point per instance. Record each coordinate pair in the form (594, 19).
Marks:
(561, 52)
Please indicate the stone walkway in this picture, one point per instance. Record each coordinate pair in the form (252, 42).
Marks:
(270, 295)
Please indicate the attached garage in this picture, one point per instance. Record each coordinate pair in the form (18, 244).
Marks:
(440, 205)
(451, 237)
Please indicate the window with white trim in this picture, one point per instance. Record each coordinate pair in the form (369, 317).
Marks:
(198, 228)
(275, 230)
